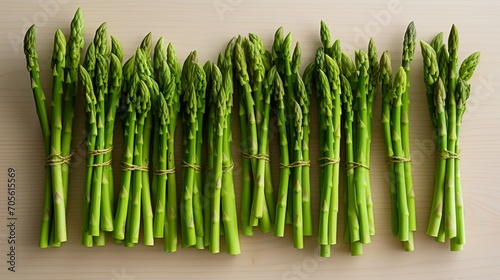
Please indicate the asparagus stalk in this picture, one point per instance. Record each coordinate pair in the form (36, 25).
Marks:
(58, 64)
(173, 102)
(218, 96)
(298, 231)
(229, 215)
(305, 90)
(91, 131)
(130, 84)
(360, 174)
(281, 204)
(39, 97)
(74, 48)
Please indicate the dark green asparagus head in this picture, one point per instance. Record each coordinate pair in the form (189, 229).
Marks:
(326, 104)
(75, 44)
(101, 40)
(142, 67)
(218, 95)
(431, 70)
(399, 84)
(324, 33)
(142, 102)
(277, 49)
(90, 101)
(463, 93)
(163, 113)
(443, 64)
(373, 59)
(101, 77)
(297, 53)
(409, 46)
(30, 51)
(59, 54)
(285, 52)
(89, 61)
(332, 73)
(453, 42)
(279, 92)
(319, 60)
(115, 72)
(128, 71)
(302, 95)
(175, 69)
(146, 44)
(269, 84)
(297, 123)
(386, 76)
(116, 48)
(167, 87)
(308, 78)
(437, 42)
(362, 66)
(346, 95)
(348, 66)
(439, 97)
(468, 66)
(337, 52)
(240, 64)
(200, 85)
(256, 67)
(160, 54)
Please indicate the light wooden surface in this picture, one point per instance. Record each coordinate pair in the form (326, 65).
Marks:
(207, 26)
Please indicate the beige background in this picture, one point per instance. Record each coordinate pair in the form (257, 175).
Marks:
(207, 26)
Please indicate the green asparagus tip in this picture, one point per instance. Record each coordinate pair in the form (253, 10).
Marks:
(160, 53)
(319, 59)
(463, 93)
(101, 39)
(399, 82)
(324, 33)
(146, 43)
(469, 66)
(116, 74)
(385, 67)
(116, 48)
(297, 53)
(348, 66)
(77, 24)
(437, 41)
(362, 62)
(431, 70)
(30, 46)
(453, 41)
(439, 96)
(409, 45)
(58, 56)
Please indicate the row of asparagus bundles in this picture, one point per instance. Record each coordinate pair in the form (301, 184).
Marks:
(150, 91)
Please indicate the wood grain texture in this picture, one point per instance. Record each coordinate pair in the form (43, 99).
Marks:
(207, 26)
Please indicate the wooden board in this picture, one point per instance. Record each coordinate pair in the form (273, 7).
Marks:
(207, 26)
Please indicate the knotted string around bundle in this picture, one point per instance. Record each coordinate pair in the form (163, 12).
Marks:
(100, 152)
(446, 154)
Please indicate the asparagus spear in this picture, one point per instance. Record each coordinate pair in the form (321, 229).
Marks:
(451, 114)
(281, 204)
(58, 64)
(229, 215)
(74, 48)
(39, 97)
(173, 102)
(91, 131)
(298, 231)
(398, 88)
(130, 83)
(304, 93)
(360, 174)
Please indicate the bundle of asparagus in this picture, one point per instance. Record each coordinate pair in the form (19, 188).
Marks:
(395, 125)
(219, 197)
(56, 130)
(167, 75)
(101, 77)
(139, 92)
(447, 92)
(251, 63)
(337, 81)
(193, 107)
(292, 111)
